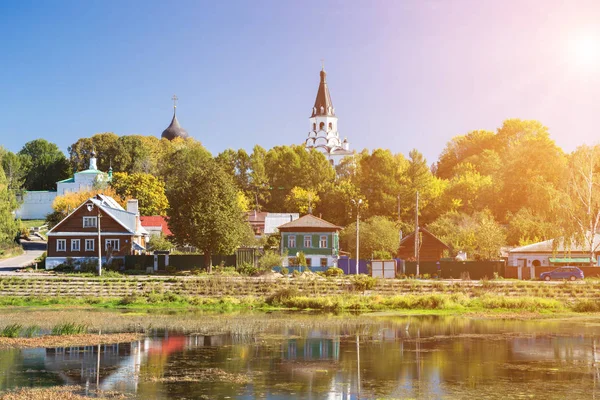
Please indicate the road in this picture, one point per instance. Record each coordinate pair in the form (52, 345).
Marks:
(33, 249)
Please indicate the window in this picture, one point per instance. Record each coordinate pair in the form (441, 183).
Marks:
(330, 126)
(89, 244)
(322, 125)
(323, 242)
(307, 241)
(112, 244)
(314, 127)
(90, 222)
(75, 245)
(292, 241)
(61, 245)
(323, 262)
(309, 262)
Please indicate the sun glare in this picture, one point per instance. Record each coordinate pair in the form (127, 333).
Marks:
(586, 50)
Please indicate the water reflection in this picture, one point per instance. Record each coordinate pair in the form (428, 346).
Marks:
(418, 357)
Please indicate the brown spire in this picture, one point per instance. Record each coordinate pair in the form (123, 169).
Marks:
(323, 104)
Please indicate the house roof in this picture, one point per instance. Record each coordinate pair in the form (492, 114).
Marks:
(309, 221)
(256, 217)
(412, 235)
(323, 98)
(109, 205)
(274, 220)
(548, 246)
(156, 220)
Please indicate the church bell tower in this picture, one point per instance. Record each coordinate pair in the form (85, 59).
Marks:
(323, 134)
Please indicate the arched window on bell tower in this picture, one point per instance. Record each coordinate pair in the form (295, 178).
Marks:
(322, 125)
(314, 126)
(330, 126)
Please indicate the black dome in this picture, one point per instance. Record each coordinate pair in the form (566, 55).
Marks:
(174, 131)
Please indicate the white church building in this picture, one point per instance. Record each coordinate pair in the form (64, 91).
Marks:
(324, 133)
(38, 204)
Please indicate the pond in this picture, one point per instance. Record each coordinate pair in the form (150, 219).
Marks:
(316, 357)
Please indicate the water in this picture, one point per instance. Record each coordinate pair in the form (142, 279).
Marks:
(428, 357)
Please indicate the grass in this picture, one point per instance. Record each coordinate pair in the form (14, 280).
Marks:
(32, 223)
(69, 328)
(11, 331)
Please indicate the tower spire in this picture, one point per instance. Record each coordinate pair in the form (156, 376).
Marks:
(174, 98)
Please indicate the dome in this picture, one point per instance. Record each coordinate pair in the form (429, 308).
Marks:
(174, 130)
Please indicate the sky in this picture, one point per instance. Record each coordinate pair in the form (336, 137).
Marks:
(402, 74)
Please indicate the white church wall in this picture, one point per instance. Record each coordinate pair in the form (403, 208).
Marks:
(36, 205)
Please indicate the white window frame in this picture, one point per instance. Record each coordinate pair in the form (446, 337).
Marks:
(308, 239)
(292, 241)
(94, 224)
(61, 245)
(321, 239)
(115, 248)
(87, 246)
(73, 242)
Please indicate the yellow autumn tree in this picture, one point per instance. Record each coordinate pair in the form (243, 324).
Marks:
(67, 203)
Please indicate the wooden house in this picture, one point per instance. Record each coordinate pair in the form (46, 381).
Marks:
(431, 248)
(76, 237)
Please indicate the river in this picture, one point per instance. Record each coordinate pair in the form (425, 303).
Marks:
(315, 357)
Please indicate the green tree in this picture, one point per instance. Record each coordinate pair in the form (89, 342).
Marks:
(14, 171)
(479, 235)
(377, 234)
(146, 188)
(259, 181)
(104, 144)
(160, 243)
(336, 201)
(8, 204)
(581, 203)
(203, 207)
(44, 164)
(302, 200)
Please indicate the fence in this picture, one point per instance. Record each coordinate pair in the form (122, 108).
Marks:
(456, 269)
(183, 262)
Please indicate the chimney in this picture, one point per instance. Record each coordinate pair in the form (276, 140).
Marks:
(132, 206)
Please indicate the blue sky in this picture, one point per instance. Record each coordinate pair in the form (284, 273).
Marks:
(402, 74)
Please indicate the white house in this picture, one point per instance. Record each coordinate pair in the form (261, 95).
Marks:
(553, 252)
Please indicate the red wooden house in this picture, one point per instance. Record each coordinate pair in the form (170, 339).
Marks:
(76, 236)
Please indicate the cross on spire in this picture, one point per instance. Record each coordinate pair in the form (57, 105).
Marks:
(322, 64)
(174, 98)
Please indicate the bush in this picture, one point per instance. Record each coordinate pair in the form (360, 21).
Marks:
(334, 271)
(171, 269)
(382, 255)
(129, 299)
(247, 269)
(363, 282)
(268, 260)
(296, 273)
(284, 271)
(281, 296)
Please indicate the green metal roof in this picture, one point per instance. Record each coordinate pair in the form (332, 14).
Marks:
(568, 260)
(68, 180)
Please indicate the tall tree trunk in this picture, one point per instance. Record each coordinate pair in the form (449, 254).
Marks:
(208, 260)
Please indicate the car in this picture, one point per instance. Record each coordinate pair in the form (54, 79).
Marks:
(566, 272)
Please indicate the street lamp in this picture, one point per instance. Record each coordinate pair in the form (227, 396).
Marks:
(90, 207)
(357, 203)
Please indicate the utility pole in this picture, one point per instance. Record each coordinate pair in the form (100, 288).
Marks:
(417, 244)
(357, 203)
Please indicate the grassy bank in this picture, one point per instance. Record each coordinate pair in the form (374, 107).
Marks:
(223, 293)
(9, 252)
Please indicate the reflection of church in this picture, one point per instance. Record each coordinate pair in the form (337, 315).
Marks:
(323, 122)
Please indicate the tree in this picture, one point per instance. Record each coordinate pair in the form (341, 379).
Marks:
(160, 243)
(203, 207)
(479, 235)
(104, 144)
(44, 164)
(336, 201)
(581, 206)
(377, 234)
(259, 181)
(12, 164)
(302, 200)
(8, 204)
(146, 188)
(67, 203)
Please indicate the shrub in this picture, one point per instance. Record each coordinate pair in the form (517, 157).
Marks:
(296, 273)
(281, 296)
(382, 255)
(268, 260)
(31, 331)
(247, 269)
(129, 299)
(284, 271)
(334, 271)
(171, 269)
(586, 306)
(362, 282)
